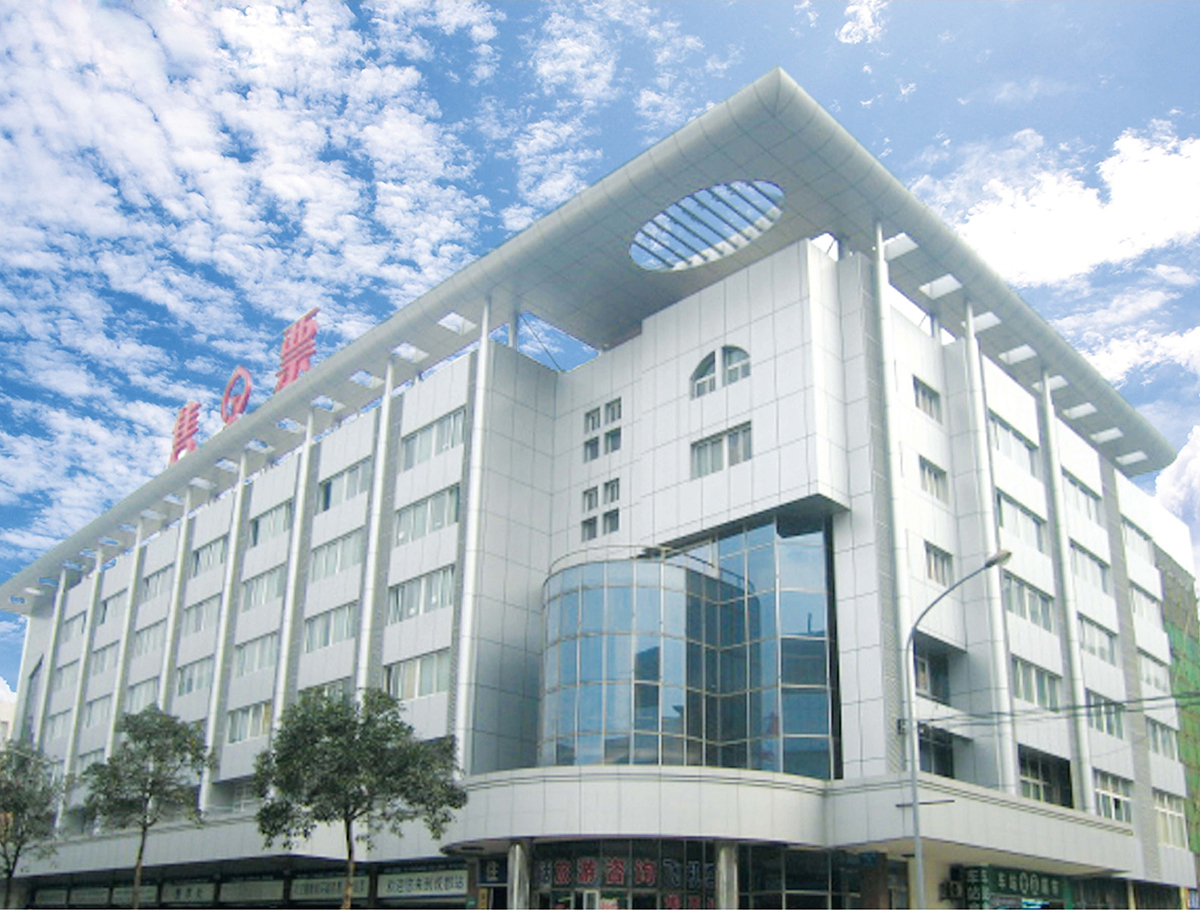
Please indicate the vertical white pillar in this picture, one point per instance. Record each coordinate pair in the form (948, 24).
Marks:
(233, 562)
(727, 875)
(369, 620)
(1006, 740)
(81, 678)
(464, 652)
(178, 586)
(296, 565)
(514, 325)
(60, 600)
(137, 557)
(518, 874)
(1081, 767)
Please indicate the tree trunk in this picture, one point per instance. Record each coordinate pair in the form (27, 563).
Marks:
(137, 872)
(8, 877)
(348, 887)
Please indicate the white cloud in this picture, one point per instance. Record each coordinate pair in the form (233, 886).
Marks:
(1014, 93)
(12, 631)
(6, 691)
(1177, 487)
(864, 22)
(1042, 220)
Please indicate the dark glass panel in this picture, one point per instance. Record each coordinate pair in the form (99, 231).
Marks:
(733, 670)
(591, 658)
(590, 700)
(712, 623)
(801, 567)
(712, 677)
(672, 662)
(806, 870)
(761, 613)
(733, 623)
(564, 753)
(695, 666)
(764, 663)
(731, 542)
(549, 716)
(589, 750)
(733, 718)
(646, 659)
(550, 668)
(761, 535)
(695, 617)
(712, 720)
(695, 714)
(801, 613)
(617, 698)
(674, 613)
(806, 756)
(616, 750)
(645, 749)
(672, 704)
(805, 711)
(673, 750)
(766, 869)
(734, 756)
(760, 570)
(566, 710)
(620, 658)
(645, 707)
(803, 661)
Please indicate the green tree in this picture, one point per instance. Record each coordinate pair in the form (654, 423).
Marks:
(340, 762)
(29, 797)
(151, 775)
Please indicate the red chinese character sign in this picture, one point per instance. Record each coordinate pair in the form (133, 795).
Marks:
(234, 406)
(183, 436)
(296, 352)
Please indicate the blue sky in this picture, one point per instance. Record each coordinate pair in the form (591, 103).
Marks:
(179, 181)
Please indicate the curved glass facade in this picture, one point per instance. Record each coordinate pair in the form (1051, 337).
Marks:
(721, 656)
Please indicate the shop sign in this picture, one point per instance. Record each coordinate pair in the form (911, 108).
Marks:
(89, 896)
(437, 883)
(328, 887)
(981, 883)
(255, 890)
(122, 895)
(188, 892)
(50, 897)
(493, 870)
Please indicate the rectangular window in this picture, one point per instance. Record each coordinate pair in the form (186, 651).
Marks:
(199, 616)
(331, 627)
(1114, 796)
(612, 411)
(194, 677)
(1097, 640)
(736, 364)
(64, 677)
(150, 639)
(1027, 601)
(1169, 819)
(1105, 715)
(262, 589)
(208, 556)
(591, 498)
(612, 521)
(591, 421)
(103, 659)
(1163, 740)
(338, 555)
(336, 689)
(257, 654)
(56, 725)
(932, 675)
(110, 608)
(934, 481)
(1020, 522)
(419, 676)
(927, 400)
(1147, 607)
(422, 594)
(740, 447)
(612, 491)
(426, 515)
(155, 584)
(71, 628)
(1088, 568)
(591, 449)
(1155, 673)
(141, 695)
(612, 441)
(271, 523)
(250, 722)
(1080, 498)
(587, 529)
(87, 759)
(1045, 778)
(97, 711)
(344, 485)
(939, 565)
(1014, 446)
(1137, 541)
(1033, 684)
(440, 436)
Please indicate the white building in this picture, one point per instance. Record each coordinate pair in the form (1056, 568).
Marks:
(661, 599)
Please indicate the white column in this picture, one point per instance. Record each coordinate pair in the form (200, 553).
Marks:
(85, 657)
(60, 599)
(296, 565)
(727, 875)
(518, 874)
(136, 558)
(464, 652)
(178, 586)
(376, 550)
(1006, 740)
(514, 324)
(233, 562)
(1081, 767)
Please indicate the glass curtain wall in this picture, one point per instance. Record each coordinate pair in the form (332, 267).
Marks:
(722, 655)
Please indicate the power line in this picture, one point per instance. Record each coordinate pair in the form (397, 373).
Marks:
(529, 325)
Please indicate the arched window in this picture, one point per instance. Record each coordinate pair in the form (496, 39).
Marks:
(704, 379)
(736, 364)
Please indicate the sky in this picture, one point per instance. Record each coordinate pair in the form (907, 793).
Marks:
(180, 181)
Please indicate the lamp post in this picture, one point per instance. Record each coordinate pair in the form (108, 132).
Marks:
(914, 744)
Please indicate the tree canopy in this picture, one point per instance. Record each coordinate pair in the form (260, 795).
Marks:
(29, 797)
(340, 762)
(151, 775)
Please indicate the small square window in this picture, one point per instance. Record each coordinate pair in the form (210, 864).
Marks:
(612, 521)
(612, 441)
(591, 498)
(591, 420)
(591, 449)
(612, 490)
(587, 529)
(612, 411)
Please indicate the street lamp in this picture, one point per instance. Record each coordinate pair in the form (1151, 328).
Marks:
(914, 744)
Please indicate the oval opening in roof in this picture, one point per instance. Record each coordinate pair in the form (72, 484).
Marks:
(708, 225)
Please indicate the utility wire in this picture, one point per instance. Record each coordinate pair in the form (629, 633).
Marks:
(533, 331)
